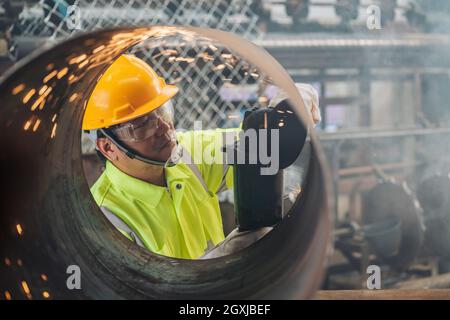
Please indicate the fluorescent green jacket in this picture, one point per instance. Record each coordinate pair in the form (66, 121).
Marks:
(182, 220)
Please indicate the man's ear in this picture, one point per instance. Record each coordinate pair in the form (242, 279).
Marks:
(107, 148)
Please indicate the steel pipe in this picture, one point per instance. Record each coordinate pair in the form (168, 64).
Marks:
(48, 219)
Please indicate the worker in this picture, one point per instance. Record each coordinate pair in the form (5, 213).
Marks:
(151, 188)
(153, 193)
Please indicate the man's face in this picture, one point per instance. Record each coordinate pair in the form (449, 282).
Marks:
(159, 146)
(151, 135)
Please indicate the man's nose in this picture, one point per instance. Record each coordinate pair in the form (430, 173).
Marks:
(163, 127)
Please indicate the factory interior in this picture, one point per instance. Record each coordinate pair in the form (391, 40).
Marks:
(368, 195)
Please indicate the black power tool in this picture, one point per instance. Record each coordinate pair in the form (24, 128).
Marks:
(258, 187)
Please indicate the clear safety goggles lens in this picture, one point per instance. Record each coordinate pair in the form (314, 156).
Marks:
(144, 127)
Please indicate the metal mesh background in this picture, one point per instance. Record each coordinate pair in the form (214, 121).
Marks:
(56, 19)
(216, 86)
(206, 74)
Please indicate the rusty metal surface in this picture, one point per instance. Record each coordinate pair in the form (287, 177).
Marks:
(48, 219)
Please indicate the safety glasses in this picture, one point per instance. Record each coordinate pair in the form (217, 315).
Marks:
(144, 127)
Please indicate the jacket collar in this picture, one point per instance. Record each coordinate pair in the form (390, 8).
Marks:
(141, 190)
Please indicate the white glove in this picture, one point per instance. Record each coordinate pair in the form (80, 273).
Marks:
(236, 241)
(310, 98)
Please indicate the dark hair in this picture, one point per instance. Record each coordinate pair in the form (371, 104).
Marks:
(99, 153)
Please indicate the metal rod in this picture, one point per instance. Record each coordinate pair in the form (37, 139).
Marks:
(366, 133)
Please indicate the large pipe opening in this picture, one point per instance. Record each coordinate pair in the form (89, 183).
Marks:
(49, 220)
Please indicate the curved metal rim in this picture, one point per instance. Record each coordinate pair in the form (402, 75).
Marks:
(300, 258)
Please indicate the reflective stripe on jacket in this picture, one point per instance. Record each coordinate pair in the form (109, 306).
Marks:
(182, 219)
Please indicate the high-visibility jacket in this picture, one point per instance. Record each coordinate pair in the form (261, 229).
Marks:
(181, 220)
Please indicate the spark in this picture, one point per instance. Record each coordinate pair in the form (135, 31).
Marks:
(50, 76)
(219, 67)
(42, 90)
(36, 125)
(25, 287)
(73, 97)
(53, 131)
(98, 49)
(78, 59)
(62, 73)
(27, 125)
(29, 95)
(18, 89)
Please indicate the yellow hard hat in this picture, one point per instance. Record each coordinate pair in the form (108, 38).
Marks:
(127, 90)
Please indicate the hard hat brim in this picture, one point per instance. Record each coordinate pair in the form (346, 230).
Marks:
(167, 93)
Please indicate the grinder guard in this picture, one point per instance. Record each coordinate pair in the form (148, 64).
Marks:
(258, 198)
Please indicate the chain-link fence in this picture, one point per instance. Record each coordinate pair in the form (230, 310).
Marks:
(215, 86)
